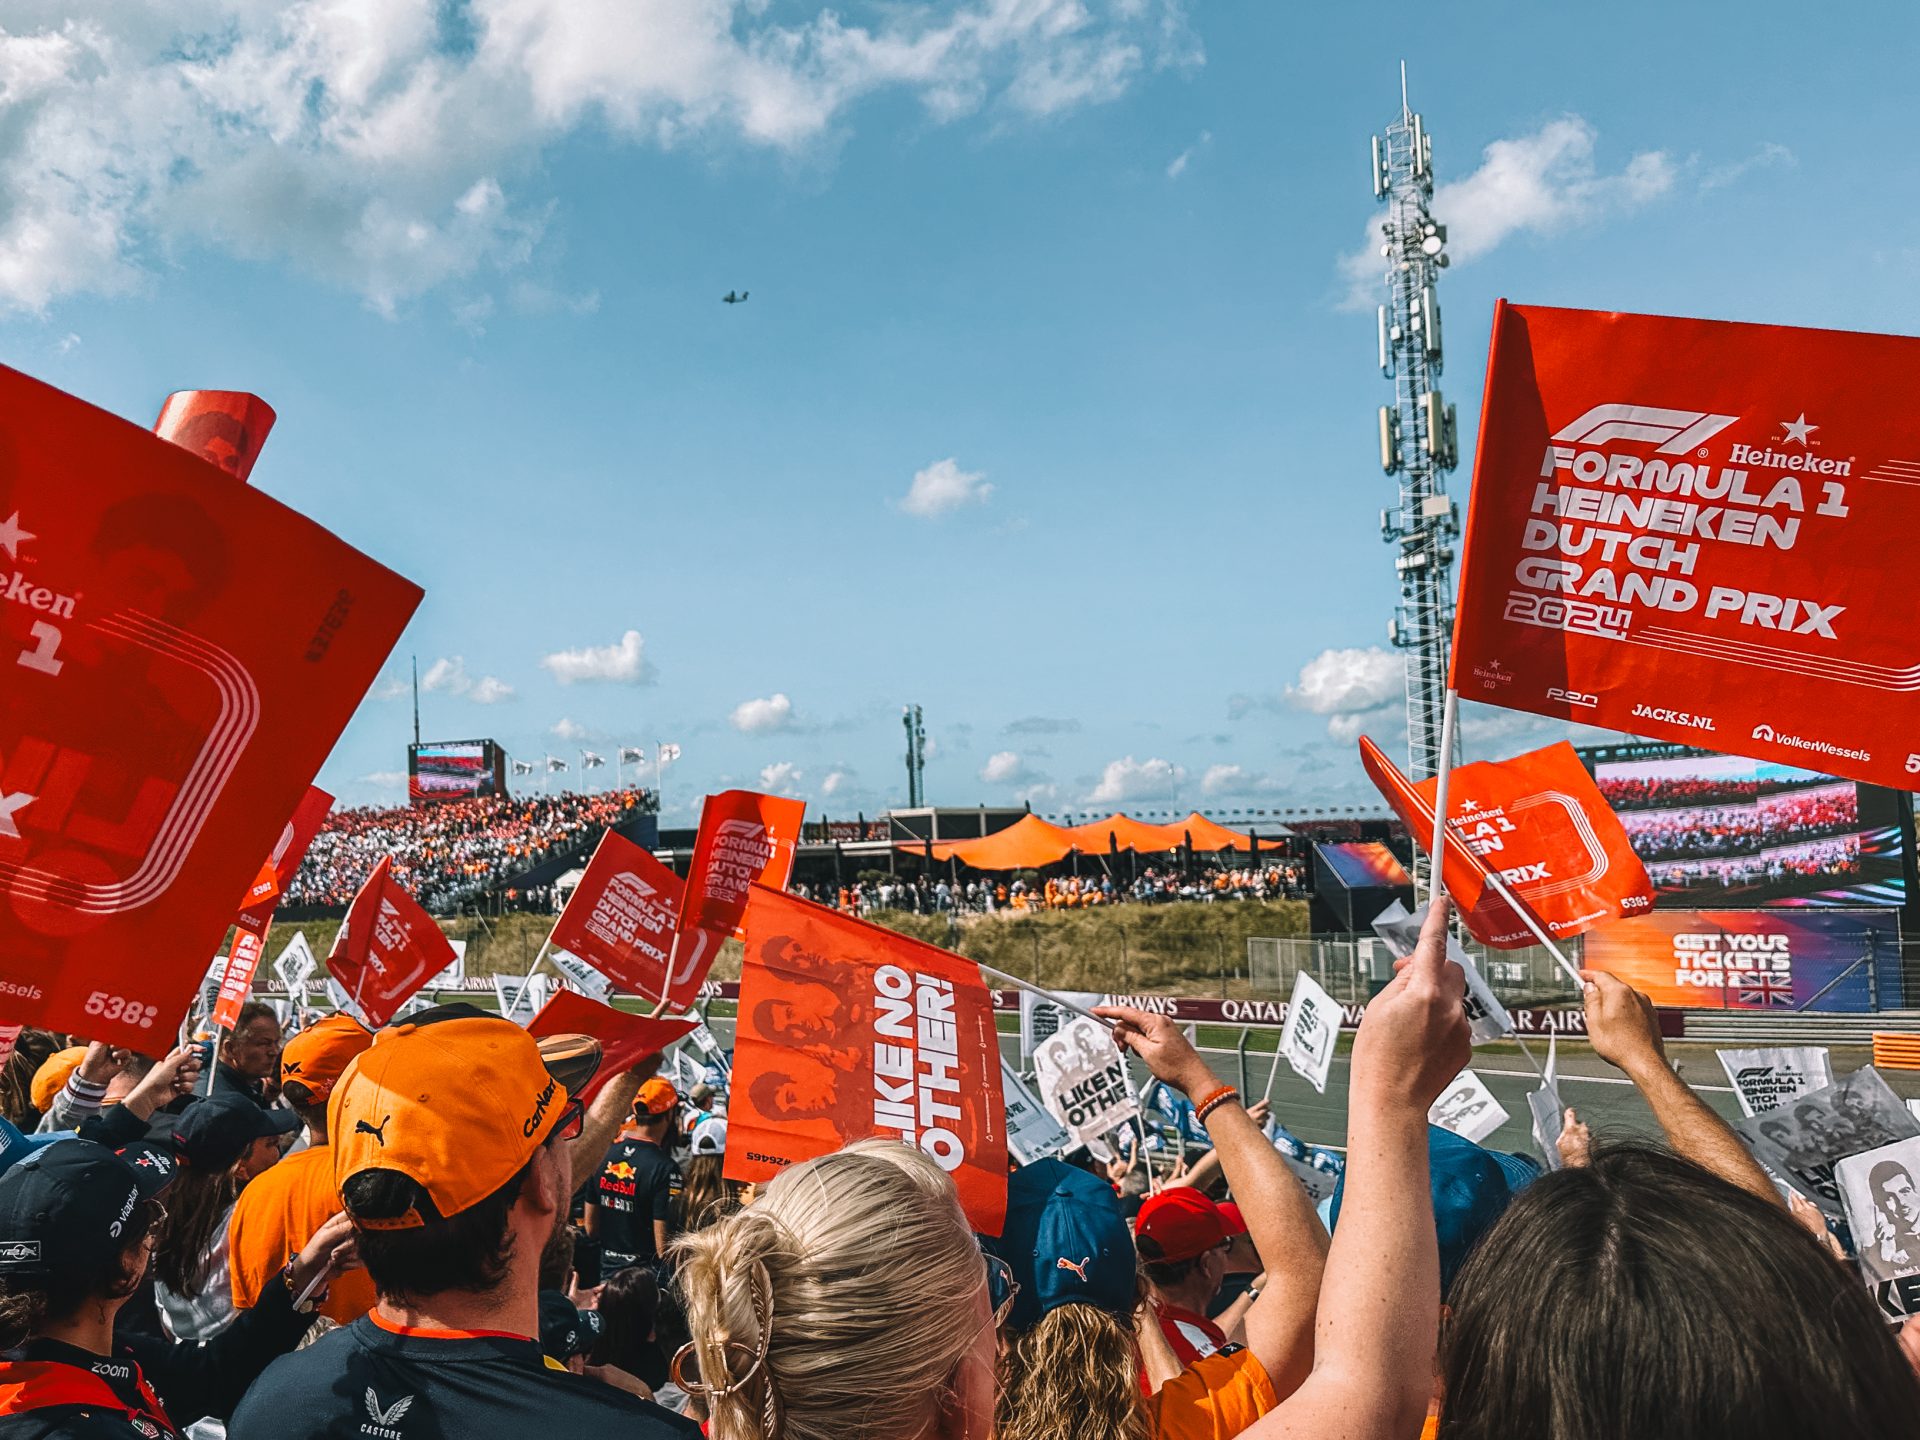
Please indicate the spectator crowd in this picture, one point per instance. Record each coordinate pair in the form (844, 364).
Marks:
(447, 853)
(448, 1228)
(1030, 891)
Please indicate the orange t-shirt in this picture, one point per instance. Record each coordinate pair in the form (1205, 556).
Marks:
(278, 1212)
(1212, 1399)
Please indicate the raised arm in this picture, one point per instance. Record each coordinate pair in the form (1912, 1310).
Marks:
(1280, 1217)
(1379, 1315)
(1625, 1033)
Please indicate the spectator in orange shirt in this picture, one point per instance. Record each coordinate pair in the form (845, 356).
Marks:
(282, 1209)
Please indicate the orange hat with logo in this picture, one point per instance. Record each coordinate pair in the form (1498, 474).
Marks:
(457, 1105)
(320, 1054)
(655, 1098)
(52, 1076)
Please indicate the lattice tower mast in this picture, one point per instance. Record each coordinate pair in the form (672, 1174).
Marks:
(1419, 440)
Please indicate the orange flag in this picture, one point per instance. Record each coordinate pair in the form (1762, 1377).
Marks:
(621, 918)
(848, 1031)
(256, 910)
(745, 839)
(1686, 529)
(1540, 823)
(625, 1039)
(388, 949)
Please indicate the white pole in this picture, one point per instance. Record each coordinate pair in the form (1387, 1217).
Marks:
(1043, 993)
(1436, 883)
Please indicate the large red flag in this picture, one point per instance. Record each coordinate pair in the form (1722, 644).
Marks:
(388, 949)
(223, 427)
(1541, 824)
(1686, 529)
(263, 896)
(625, 1039)
(179, 655)
(848, 1031)
(745, 839)
(621, 918)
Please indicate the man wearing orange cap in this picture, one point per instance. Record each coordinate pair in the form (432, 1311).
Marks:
(448, 1144)
(282, 1208)
(630, 1207)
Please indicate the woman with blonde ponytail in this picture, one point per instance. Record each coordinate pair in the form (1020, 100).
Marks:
(850, 1303)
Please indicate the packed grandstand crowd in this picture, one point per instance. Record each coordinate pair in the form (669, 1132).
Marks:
(448, 852)
(1207, 880)
(1742, 829)
(444, 1229)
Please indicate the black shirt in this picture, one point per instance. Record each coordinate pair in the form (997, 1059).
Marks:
(637, 1185)
(189, 1380)
(364, 1382)
(229, 1081)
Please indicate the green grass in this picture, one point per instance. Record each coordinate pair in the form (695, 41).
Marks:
(1130, 949)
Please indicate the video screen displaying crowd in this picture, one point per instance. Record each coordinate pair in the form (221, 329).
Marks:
(449, 1228)
(447, 853)
(1018, 894)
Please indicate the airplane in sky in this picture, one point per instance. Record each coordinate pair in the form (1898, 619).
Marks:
(730, 298)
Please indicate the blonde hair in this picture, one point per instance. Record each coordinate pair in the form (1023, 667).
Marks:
(855, 1275)
(1074, 1373)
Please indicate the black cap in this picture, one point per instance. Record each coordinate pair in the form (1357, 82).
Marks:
(68, 1206)
(214, 1133)
(566, 1330)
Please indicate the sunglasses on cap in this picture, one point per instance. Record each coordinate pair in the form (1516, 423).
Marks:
(1002, 1288)
(573, 1120)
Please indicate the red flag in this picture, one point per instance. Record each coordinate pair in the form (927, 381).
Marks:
(388, 949)
(263, 896)
(621, 918)
(848, 1031)
(180, 655)
(223, 427)
(1685, 529)
(745, 839)
(625, 1039)
(1542, 824)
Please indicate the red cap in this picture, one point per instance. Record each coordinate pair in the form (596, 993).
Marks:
(1230, 1215)
(1179, 1224)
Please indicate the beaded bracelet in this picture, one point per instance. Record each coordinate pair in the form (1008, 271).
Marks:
(1214, 1101)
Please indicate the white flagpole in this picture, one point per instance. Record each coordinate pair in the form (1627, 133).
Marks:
(1436, 882)
(1043, 993)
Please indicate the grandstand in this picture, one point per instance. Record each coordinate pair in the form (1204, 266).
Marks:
(452, 855)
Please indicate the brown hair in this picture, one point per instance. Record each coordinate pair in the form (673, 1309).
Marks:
(1074, 1373)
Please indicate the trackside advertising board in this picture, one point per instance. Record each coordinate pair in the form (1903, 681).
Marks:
(1685, 529)
(1751, 959)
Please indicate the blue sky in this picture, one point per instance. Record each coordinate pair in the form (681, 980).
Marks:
(1050, 409)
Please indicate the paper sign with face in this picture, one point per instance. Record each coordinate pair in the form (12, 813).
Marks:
(1313, 1024)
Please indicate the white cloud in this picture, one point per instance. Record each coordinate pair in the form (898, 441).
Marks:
(1177, 166)
(1003, 767)
(448, 676)
(1337, 682)
(780, 778)
(754, 717)
(1537, 184)
(381, 147)
(386, 779)
(569, 729)
(1131, 779)
(621, 663)
(67, 344)
(1237, 780)
(1770, 155)
(490, 690)
(838, 780)
(944, 487)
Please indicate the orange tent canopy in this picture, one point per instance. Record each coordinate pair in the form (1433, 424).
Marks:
(1027, 844)
(1210, 835)
(1098, 836)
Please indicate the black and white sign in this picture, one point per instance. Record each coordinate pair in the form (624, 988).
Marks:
(1083, 1080)
(1767, 1079)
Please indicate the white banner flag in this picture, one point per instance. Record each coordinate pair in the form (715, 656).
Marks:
(1468, 1108)
(1040, 1017)
(1083, 1080)
(293, 967)
(1313, 1024)
(521, 996)
(580, 977)
(1032, 1133)
(1767, 1079)
(1487, 1018)
(1549, 1114)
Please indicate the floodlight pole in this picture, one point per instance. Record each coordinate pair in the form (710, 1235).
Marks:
(1418, 436)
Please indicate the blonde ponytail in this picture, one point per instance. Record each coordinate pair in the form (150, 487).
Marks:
(836, 1308)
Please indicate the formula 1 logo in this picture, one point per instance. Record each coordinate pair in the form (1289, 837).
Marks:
(743, 832)
(1675, 431)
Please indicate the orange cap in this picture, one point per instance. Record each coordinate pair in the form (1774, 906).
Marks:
(655, 1097)
(457, 1106)
(52, 1076)
(320, 1054)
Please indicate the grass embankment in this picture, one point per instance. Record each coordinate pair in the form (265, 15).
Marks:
(1126, 949)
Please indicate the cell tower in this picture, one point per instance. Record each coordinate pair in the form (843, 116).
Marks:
(916, 756)
(1419, 441)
